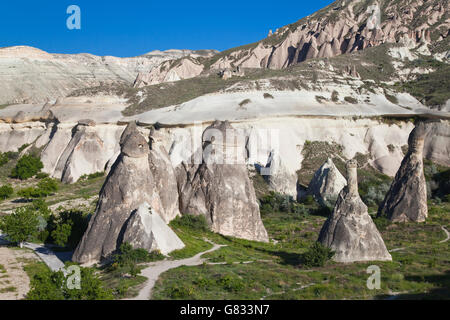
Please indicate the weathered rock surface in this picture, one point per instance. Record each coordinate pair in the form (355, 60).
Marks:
(279, 177)
(147, 230)
(33, 75)
(168, 72)
(128, 185)
(344, 27)
(327, 183)
(219, 188)
(164, 176)
(406, 199)
(350, 231)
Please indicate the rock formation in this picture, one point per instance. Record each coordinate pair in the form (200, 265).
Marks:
(164, 176)
(219, 188)
(147, 230)
(279, 177)
(128, 185)
(350, 231)
(327, 183)
(406, 199)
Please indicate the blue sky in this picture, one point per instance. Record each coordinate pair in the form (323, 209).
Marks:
(130, 28)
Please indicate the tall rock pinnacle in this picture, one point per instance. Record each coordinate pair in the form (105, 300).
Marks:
(406, 199)
(219, 188)
(128, 185)
(349, 230)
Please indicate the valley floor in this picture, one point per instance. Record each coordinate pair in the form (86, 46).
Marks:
(251, 270)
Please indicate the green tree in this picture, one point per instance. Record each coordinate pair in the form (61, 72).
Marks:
(62, 233)
(6, 191)
(26, 167)
(20, 225)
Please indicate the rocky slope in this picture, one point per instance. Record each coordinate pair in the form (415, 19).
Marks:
(345, 26)
(31, 75)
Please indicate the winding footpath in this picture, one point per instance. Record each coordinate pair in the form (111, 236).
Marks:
(154, 270)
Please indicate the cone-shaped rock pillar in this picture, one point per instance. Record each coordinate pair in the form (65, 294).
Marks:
(350, 231)
(406, 199)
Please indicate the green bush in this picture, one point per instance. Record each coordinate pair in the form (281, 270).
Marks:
(26, 167)
(92, 175)
(231, 283)
(382, 223)
(20, 225)
(48, 186)
(181, 292)
(317, 255)
(275, 202)
(42, 175)
(3, 159)
(126, 260)
(45, 187)
(6, 192)
(49, 285)
(192, 222)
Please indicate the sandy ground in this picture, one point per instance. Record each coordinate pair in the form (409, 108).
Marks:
(15, 276)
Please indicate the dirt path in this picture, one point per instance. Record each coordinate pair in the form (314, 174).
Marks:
(14, 281)
(157, 268)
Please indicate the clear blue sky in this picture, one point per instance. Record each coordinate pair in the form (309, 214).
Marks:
(132, 27)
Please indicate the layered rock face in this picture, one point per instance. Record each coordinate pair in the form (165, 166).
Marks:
(167, 72)
(406, 199)
(30, 74)
(164, 176)
(350, 231)
(128, 185)
(219, 188)
(327, 183)
(345, 27)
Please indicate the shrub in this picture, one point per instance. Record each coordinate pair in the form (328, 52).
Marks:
(42, 175)
(6, 191)
(350, 100)
(3, 159)
(49, 285)
(45, 187)
(230, 283)
(391, 98)
(268, 96)
(274, 202)
(20, 225)
(317, 255)
(382, 223)
(335, 96)
(180, 292)
(26, 167)
(22, 147)
(244, 102)
(126, 260)
(48, 186)
(192, 222)
(92, 175)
